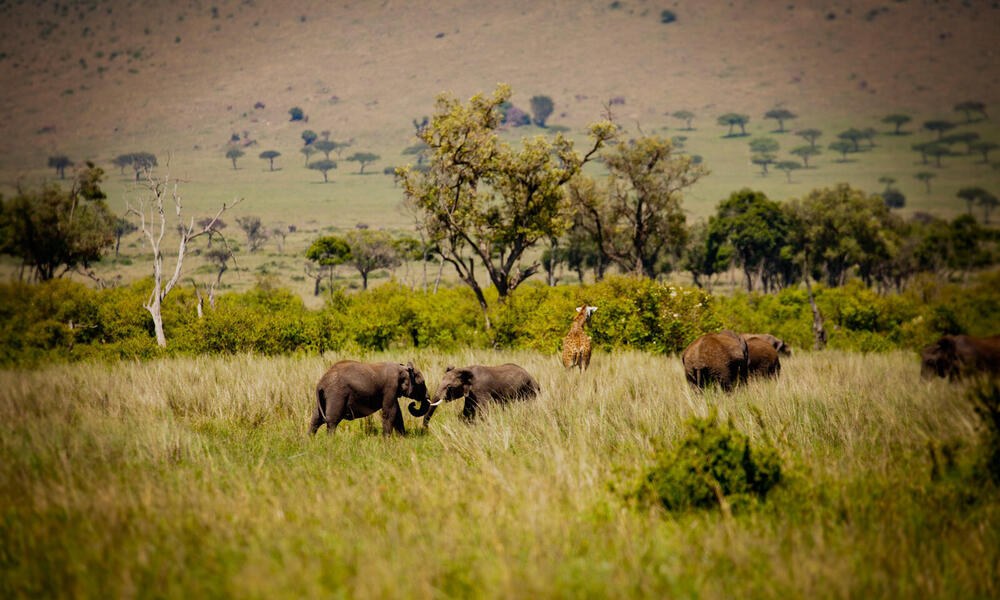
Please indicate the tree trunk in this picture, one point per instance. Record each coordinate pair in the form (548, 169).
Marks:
(438, 279)
(154, 310)
(819, 333)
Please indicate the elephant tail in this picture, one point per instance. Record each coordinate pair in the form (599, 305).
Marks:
(321, 402)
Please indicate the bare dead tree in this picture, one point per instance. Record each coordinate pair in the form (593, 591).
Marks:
(152, 212)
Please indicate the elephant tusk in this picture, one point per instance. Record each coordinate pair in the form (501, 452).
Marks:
(438, 402)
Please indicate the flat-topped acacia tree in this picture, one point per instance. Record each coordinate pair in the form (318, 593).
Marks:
(363, 158)
(482, 199)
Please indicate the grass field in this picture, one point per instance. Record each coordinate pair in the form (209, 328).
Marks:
(195, 477)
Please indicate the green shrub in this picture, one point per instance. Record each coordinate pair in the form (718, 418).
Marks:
(710, 461)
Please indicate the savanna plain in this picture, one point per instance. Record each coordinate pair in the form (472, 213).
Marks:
(195, 477)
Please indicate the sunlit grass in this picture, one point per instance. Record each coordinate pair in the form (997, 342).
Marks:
(195, 477)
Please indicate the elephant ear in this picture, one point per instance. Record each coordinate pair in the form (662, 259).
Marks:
(404, 385)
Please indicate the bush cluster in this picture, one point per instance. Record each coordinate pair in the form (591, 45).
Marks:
(713, 462)
(65, 320)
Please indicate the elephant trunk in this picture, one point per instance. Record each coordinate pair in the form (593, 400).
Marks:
(419, 408)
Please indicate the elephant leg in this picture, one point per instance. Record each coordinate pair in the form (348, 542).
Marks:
(317, 420)
(469, 410)
(392, 417)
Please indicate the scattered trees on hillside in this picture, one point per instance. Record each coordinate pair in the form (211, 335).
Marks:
(852, 135)
(326, 147)
(141, 162)
(804, 152)
(939, 126)
(732, 120)
(780, 115)
(363, 158)
(59, 163)
(970, 107)
(763, 152)
(926, 176)
(787, 166)
(843, 147)
(634, 218)
(482, 199)
(233, 154)
(809, 135)
(323, 166)
(541, 109)
(52, 231)
(269, 156)
(308, 151)
(897, 120)
(983, 148)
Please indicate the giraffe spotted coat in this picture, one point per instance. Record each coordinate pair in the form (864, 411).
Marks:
(576, 344)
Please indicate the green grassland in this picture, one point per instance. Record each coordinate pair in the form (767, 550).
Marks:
(195, 477)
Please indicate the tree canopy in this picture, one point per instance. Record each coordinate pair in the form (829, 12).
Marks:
(541, 109)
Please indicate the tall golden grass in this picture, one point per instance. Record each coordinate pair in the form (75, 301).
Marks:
(195, 477)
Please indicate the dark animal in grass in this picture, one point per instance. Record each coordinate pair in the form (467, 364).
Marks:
(576, 344)
(762, 357)
(720, 358)
(776, 343)
(352, 390)
(481, 385)
(955, 356)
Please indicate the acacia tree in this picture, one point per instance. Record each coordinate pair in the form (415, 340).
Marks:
(939, 126)
(787, 166)
(370, 251)
(686, 116)
(59, 163)
(323, 166)
(142, 163)
(363, 158)
(481, 199)
(254, 230)
(971, 107)
(843, 147)
(732, 120)
(780, 115)
(853, 136)
(972, 194)
(541, 109)
(326, 147)
(897, 120)
(763, 152)
(269, 156)
(635, 216)
(308, 151)
(233, 154)
(926, 177)
(122, 227)
(52, 229)
(983, 148)
(151, 207)
(804, 152)
(707, 254)
(809, 135)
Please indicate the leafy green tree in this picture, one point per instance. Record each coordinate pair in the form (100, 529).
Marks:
(51, 229)
(893, 198)
(732, 120)
(363, 158)
(482, 199)
(804, 152)
(706, 254)
(323, 166)
(308, 137)
(59, 163)
(541, 109)
(233, 154)
(308, 151)
(939, 126)
(121, 161)
(788, 166)
(686, 116)
(971, 107)
(326, 147)
(780, 115)
(897, 120)
(296, 114)
(326, 253)
(810, 135)
(983, 148)
(123, 227)
(937, 151)
(370, 251)
(142, 162)
(844, 147)
(635, 216)
(756, 228)
(269, 156)
(853, 136)
(926, 177)
(219, 257)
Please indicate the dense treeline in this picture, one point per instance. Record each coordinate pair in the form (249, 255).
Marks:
(65, 320)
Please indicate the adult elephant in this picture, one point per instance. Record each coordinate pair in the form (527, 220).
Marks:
(352, 390)
(480, 385)
(953, 356)
(777, 343)
(762, 357)
(720, 358)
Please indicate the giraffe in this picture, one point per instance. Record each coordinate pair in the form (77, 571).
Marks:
(576, 344)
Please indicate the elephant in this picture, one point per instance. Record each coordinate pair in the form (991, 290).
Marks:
(352, 390)
(762, 357)
(479, 385)
(777, 343)
(953, 356)
(716, 357)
